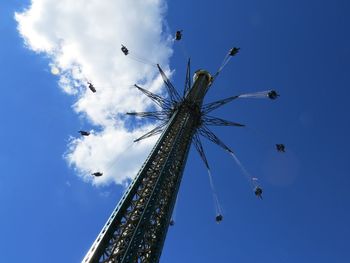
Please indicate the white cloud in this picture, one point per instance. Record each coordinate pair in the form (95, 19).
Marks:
(83, 39)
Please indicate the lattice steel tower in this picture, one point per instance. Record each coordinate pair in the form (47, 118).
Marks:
(136, 230)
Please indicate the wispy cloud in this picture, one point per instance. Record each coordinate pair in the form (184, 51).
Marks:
(82, 39)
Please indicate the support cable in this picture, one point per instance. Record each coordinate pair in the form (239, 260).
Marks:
(136, 57)
(233, 51)
(216, 104)
(250, 178)
(142, 60)
(179, 38)
(218, 209)
(198, 144)
(204, 131)
(223, 64)
(256, 95)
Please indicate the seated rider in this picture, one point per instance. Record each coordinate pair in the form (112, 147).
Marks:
(125, 50)
(272, 95)
(178, 35)
(258, 192)
(234, 51)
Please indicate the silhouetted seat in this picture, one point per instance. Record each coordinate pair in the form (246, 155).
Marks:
(280, 147)
(178, 35)
(272, 95)
(84, 133)
(91, 87)
(234, 51)
(258, 192)
(125, 50)
(219, 218)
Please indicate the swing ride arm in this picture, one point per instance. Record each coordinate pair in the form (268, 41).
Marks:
(174, 95)
(161, 102)
(214, 121)
(205, 132)
(156, 115)
(155, 131)
(136, 229)
(216, 104)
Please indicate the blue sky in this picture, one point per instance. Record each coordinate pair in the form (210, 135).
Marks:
(300, 48)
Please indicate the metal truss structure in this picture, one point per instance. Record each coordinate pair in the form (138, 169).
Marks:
(136, 230)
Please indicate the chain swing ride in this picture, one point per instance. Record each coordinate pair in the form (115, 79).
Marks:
(137, 227)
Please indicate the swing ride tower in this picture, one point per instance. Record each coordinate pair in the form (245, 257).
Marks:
(136, 230)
